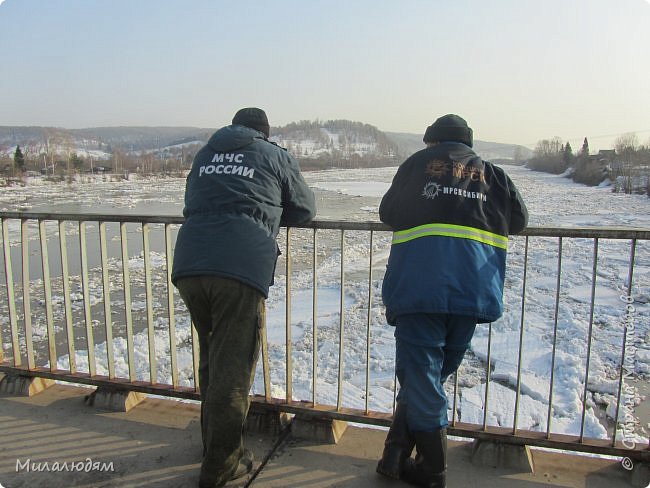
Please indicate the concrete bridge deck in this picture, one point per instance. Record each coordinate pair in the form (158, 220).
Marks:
(158, 444)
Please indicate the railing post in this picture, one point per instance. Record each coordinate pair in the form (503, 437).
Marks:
(369, 321)
(521, 339)
(2, 344)
(314, 318)
(289, 359)
(11, 301)
(170, 307)
(65, 276)
(266, 369)
(195, 359)
(589, 337)
(549, 416)
(85, 287)
(621, 381)
(47, 290)
(128, 312)
(339, 396)
(151, 336)
(27, 309)
(488, 369)
(106, 287)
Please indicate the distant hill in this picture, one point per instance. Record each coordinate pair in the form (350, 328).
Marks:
(336, 143)
(492, 151)
(316, 144)
(144, 138)
(126, 138)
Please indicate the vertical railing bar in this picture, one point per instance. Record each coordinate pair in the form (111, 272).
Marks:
(170, 306)
(314, 309)
(487, 375)
(47, 291)
(128, 309)
(287, 318)
(339, 395)
(151, 337)
(11, 299)
(367, 392)
(27, 307)
(266, 370)
(394, 391)
(2, 344)
(630, 275)
(195, 359)
(85, 287)
(106, 286)
(65, 274)
(589, 337)
(521, 339)
(549, 416)
(454, 406)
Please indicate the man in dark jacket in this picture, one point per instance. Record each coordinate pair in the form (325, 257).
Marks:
(240, 189)
(451, 213)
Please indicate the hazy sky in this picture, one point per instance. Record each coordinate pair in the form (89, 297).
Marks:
(517, 70)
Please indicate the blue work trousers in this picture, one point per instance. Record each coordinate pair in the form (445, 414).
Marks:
(430, 347)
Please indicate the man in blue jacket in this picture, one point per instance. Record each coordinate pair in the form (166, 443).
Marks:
(240, 190)
(451, 213)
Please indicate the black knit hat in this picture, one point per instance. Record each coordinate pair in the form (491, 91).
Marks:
(253, 117)
(449, 127)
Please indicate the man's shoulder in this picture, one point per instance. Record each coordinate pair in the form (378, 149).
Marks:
(416, 158)
(498, 171)
(267, 147)
(422, 153)
(275, 144)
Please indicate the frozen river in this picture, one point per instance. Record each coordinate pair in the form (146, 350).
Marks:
(355, 195)
(352, 194)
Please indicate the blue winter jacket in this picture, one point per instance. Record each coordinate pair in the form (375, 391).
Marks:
(451, 213)
(240, 189)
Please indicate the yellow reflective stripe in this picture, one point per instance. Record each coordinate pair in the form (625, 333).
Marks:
(451, 230)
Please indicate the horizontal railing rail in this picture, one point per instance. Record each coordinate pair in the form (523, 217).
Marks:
(88, 299)
(601, 232)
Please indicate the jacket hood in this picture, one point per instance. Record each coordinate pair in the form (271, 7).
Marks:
(456, 150)
(233, 137)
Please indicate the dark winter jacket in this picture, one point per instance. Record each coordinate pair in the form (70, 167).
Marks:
(451, 213)
(240, 189)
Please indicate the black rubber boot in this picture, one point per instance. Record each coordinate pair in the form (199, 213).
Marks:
(430, 465)
(398, 446)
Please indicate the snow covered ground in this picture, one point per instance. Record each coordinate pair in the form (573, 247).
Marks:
(355, 195)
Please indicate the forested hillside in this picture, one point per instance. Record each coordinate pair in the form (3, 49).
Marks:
(316, 144)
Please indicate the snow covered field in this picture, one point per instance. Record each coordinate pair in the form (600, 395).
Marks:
(355, 195)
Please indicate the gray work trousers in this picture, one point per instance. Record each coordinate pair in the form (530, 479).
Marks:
(228, 316)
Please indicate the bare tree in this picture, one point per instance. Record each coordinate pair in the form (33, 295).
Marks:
(548, 156)
(626, 145)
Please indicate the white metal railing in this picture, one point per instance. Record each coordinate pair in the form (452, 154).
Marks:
(70, 302)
